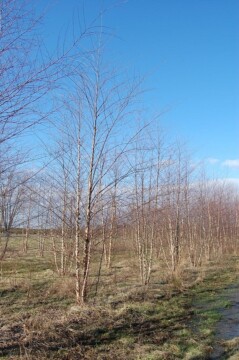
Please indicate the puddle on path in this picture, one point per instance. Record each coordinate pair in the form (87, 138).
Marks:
(228, 327)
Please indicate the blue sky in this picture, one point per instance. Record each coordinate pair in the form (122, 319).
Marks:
(189, 52)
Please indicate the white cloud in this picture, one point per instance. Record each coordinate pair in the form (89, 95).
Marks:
(231, 182)
(220, 181)
(234, 181)
(212, 160)
(231, 163)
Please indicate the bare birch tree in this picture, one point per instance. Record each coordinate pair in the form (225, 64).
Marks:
(12, 197)
(98, 110)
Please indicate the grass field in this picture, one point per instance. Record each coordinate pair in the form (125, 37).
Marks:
(172, 318)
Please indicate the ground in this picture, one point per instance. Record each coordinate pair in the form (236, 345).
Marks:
(172, 318)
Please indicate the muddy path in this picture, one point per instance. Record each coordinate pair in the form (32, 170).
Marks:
(226, 344)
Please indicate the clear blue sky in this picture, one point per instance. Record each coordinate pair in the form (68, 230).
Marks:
(189, 50)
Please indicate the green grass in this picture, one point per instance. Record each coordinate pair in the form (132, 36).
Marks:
(173, 318)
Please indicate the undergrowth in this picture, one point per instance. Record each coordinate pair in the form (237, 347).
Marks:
(172, 318)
